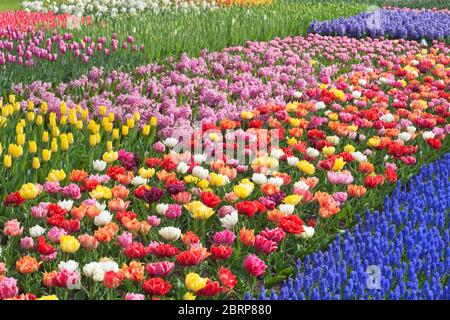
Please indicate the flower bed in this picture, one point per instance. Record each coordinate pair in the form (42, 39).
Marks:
(391, 23)
(115, 221)
(174, 33)
(24, 21)
(106, 8)
(219, 85)
(404, 248)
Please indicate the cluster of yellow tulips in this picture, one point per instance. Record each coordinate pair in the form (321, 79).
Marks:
(32, 136)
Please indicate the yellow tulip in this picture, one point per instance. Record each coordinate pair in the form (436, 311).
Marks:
(63, 120)
(50, 297)
(20, 139)
(52, 119)
(125, 130)
(294, 122)
(56, 175)
(333, 116)
(46, 155)
(292, 107)
(36, 163)
(189, 296)
(79, 124)
(328, 150)
(39, 120)
(108, 126)
(55, 131)
(63, 108)
(31, 116)
(190, 179)
(29, 191)
(339, 163)
(292, 141)
(153, 121)
(64, 142)
(15, 150)
(111, 117)
(101, 192)
(374, 142)
(293, 199)
(349, 148)
(102, 110)
(70, 137)
(217, 180)
(203, 184)
(45, 136)
(54, 145)
(92, 140)
(110, 156)
(130, 123)
(115, 134)
(194, 282)
(146, 130)
(109, 145)
(84, 114)
(16, 106)
(243, 190)
(7, 161)
(247, 115)
(146, 173)
(306, 167)
(32, 146)
(44, 108)
(198, 210)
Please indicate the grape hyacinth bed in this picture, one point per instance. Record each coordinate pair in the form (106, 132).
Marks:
(407, 245)
(391, 23)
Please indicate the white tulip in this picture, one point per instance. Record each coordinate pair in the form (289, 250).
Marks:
(66, 204)
(388, 117)
(182, 168)
(99, 165)
(36, 231)
(292, 161)
(170, 233)
(427, 135)
(100, 206)
(276, 153)
(300, 185)
(161, 208)
(313, 153)
(200, 172)
(230, 220)
(170, 142)
(404, 136)
(356, 94)
(320, 105)
(359, 156)
(69, 265)
(297, 95)
(103, 218)
(308, 232)
(286, 208)
(138, 180)
(277, 181)
(199, 158)
(259, 178)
